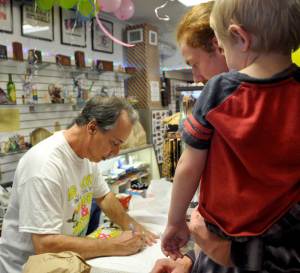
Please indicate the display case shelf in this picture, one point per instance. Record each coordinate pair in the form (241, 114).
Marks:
(143, 154)
(189, 88)
(129, 178)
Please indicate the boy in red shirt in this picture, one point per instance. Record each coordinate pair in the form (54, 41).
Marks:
(243, 136)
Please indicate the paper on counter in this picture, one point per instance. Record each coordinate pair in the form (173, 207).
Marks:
(141, 262)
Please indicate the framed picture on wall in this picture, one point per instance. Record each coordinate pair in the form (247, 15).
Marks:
(100, 42)
(6, 16)
(36, 23)
(72, 30)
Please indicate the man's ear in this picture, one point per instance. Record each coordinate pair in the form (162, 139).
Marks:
(241, 37)
(216, 46)
(92, 127)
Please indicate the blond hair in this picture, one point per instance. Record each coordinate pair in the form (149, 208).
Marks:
(194, 28)
(273, 24)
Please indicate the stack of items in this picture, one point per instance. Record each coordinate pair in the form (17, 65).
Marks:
(127, 175)
(171, 154)
(4, 197)
(171, 146)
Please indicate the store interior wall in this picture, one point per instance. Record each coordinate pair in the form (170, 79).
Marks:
(51, 48)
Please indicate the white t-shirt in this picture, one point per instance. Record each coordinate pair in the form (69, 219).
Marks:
(52, 194)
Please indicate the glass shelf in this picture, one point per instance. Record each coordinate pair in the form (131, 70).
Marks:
(14, 153)
(127, 178)
(73, 70)
(42, 106)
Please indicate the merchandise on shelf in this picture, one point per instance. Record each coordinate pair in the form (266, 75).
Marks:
(63, 60)
(11, 90)
(3, 97)
(17, 51)
(104, 65)
(55, 92)
(3, 52)
(34, 56)
(34, 94)
(15, 143)
(79, 59)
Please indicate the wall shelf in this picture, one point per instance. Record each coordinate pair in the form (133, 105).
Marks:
(23, 66)
(14, 153)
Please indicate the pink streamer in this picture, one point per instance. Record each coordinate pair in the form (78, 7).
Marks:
(109, 35)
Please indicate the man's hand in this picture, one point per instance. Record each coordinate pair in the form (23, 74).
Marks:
(148, 236)
(174, 238)
(183, 265)
(212, 245)
(116, 213)
(127, 243)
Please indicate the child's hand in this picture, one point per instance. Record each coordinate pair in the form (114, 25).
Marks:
(174, 238)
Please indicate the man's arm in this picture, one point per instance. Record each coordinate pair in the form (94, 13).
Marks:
(115, 212)
(126, 244)
(212, 245)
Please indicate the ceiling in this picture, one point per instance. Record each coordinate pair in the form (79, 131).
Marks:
(144, 12)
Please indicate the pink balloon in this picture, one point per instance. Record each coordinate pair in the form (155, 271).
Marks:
(125, 11)
(109, 5)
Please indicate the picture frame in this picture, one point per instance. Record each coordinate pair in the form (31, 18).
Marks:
(100, 42)
(68, 34)
(36, 23)
(6, 16)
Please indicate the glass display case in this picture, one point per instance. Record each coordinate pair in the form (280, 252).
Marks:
(131, 169)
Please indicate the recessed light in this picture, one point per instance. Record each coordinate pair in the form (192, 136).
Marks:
(190, 3)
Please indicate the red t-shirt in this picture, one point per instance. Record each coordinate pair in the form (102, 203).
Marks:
(252, 130)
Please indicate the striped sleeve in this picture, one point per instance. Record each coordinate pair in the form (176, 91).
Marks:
(195, 134)
(197, 131)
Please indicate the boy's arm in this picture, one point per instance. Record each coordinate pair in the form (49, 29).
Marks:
(186, 181)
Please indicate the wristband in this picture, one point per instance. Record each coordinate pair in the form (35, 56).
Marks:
(191, 254)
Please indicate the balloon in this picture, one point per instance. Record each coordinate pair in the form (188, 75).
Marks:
(109, 35)
(86, 7)
(125, 11)
(109, 5)
(67, 4)
(296, 57)
(45, 5)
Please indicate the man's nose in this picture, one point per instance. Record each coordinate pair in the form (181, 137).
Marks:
(116, 149)
(196, 76)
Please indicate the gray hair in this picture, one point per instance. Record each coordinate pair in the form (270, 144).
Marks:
(105, 111)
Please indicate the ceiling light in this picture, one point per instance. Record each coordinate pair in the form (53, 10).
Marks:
(190, 3)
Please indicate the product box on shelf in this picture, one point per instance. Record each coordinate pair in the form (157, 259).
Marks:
(79, 59)
(34, 56)
(3, 52)
(63, 60)
(17, 51)
(104, 65)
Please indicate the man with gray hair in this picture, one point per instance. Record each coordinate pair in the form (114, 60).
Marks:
(54, 185)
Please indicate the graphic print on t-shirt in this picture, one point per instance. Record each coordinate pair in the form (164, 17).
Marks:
(81, 201)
